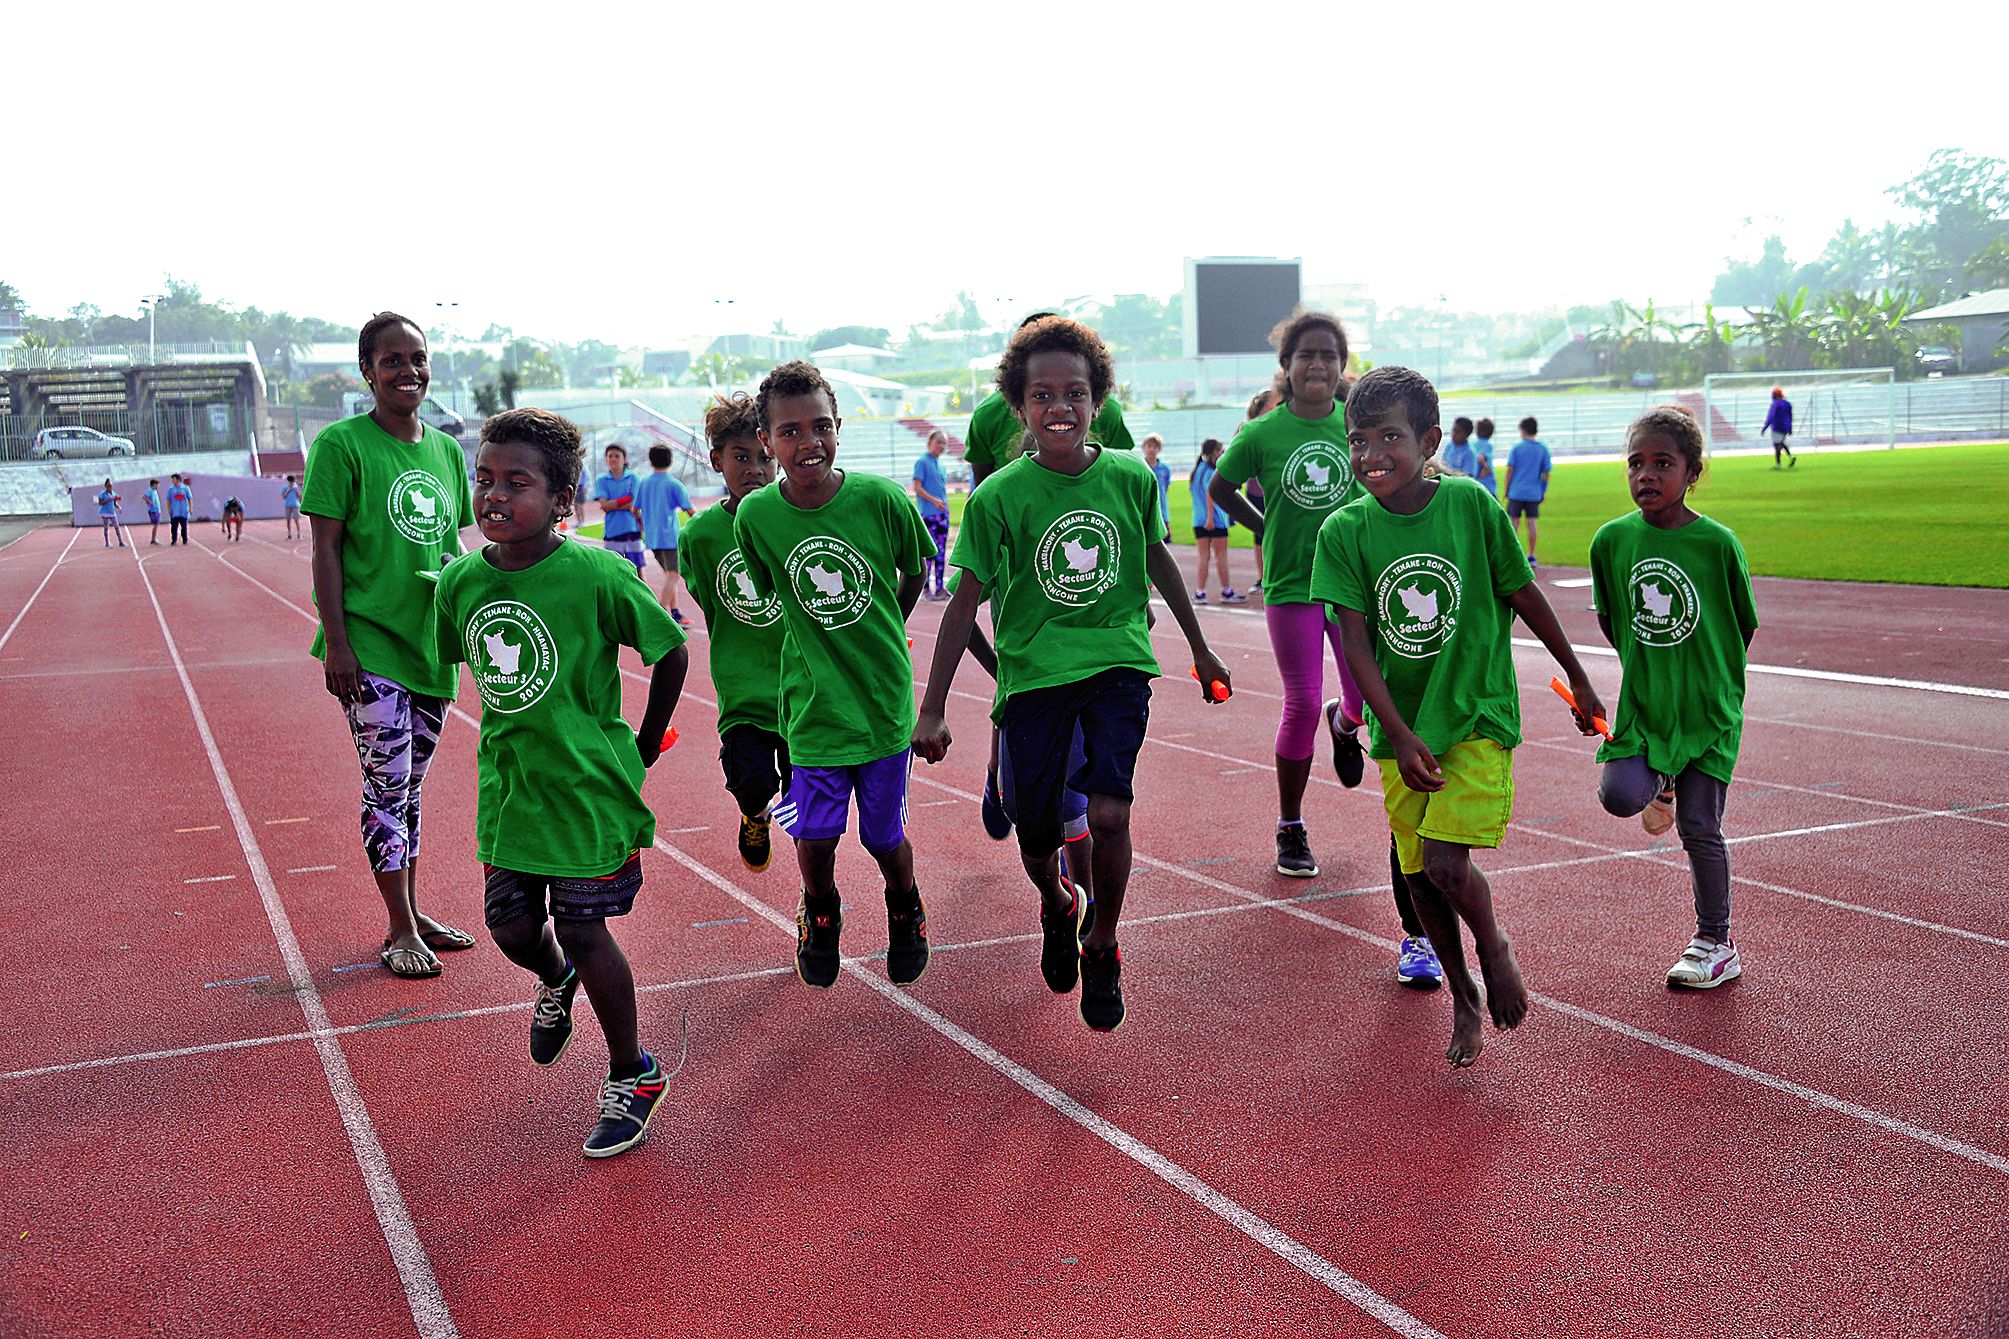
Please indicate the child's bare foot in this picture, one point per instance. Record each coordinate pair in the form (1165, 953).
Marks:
(1506, 993)
(1467, 1035)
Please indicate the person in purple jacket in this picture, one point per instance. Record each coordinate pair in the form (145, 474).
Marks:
(1779, 423)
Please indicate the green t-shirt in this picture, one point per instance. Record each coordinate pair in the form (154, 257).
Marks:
(1433, 587)
(561, 778)
(1306, 471)
(996, 437)
(1066, 556)
(1680, 607)
(847, 676)
(404, 505)
(745, 627)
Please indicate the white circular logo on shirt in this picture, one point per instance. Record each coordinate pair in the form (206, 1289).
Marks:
(420, 507)
(736, 593)
(831, 582)
(512, 655)
(1664, 605)
(1079, 558)
(1416, 604)
(1317, 475)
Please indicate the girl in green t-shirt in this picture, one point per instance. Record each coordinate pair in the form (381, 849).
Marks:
(1674, 599)
(1074, 536)
(387, 497)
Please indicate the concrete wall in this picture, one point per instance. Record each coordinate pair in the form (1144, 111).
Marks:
(43, 489)
(259, 496)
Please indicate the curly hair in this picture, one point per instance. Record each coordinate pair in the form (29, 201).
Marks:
(1054, 334)
(373, 330)
(1292, 329)
(730, 416)
(797, 377)
(1677, 424)
(555, 439)
(1385, 389)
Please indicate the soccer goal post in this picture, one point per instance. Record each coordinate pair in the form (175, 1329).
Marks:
(1856, 406)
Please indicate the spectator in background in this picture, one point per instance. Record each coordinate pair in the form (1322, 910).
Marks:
(1459, 458)
(1482, 452)
(660, 500)
(152, 499)
(931, 494)
(290, 499)
(614, 494)
(1153, 446)
(1779, 423)
(178, 498)
(1527, 481)
(1210, 525)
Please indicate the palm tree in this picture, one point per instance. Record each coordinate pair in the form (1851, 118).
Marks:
(1789, 329)
(1713, 341)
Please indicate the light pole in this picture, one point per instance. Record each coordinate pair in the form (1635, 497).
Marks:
(446, 310)
(151, 301)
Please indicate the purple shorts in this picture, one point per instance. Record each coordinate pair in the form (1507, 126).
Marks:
(818, 804)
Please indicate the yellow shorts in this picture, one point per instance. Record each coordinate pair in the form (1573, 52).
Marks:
(1471, 810)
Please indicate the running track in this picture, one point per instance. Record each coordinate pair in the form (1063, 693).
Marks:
(226, 1119)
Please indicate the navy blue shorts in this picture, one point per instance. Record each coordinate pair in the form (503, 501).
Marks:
(1106, 713)
(818, 804)
(756, 767)
(509, 894)
(1073, 804)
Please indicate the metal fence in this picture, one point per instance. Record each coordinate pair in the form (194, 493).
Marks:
(166, 429)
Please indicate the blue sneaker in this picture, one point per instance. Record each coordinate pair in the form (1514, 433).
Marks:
(996, 821)
(1416, 966)
(625, 1108)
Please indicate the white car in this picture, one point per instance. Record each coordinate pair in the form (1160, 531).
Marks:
(66, 443)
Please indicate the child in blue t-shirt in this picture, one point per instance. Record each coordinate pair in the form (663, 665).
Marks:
(1482, 457)
(931, 495)
(108, 515)
(1210, 525)
(1153, 446)
(659, 500)
(1527, 481)
(614, 494)
(178, 499)
(152, 499)
(290, 499)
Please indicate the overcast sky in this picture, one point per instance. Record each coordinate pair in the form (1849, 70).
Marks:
(622, 172)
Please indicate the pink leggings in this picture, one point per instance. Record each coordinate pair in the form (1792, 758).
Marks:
(1295, 637)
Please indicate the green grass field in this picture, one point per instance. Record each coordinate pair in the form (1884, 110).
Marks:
(1934, 516)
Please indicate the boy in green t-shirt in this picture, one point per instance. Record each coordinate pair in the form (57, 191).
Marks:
(1425, 579)
(843, 553)
(1072, 538)
(561, 825)
(745, 628)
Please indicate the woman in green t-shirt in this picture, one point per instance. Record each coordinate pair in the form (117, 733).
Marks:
(1674, 599)
(387, 497)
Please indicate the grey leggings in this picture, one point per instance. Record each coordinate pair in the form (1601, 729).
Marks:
(1628, 785)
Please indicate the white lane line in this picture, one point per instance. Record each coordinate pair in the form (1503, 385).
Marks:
(422, 1292)
(8, 635)
(212, 878)
(1825, 676)
(312, 869)
(377, 1025)
(1257, 1229)
(1872, 734)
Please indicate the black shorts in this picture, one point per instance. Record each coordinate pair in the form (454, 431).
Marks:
(666, 559)
(1210, 532)
(1111, 708)
(509, 895)
(1516, 507)
(756, 766)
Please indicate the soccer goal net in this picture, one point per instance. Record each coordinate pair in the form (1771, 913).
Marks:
(1830, 408)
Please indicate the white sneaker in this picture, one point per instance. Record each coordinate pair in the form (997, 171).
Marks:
(1705, 964)
(1658, 816)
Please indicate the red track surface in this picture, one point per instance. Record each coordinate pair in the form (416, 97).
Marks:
(1272, 1146)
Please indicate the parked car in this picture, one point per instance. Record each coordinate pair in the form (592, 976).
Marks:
(70, 443)
(1936, 359)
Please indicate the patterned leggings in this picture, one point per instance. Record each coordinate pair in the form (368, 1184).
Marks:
(938, 530)
(396, 731)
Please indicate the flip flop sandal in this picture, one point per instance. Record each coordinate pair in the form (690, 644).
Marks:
(398, 962)
(446, 939)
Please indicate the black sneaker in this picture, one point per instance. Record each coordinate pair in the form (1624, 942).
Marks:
(551, 1018)
(1347, 760)
(1060, 953)
(906, 943)
(1294, 853)
(996, 821)
(756, 844)
(625, 1108)
(816, 933)
(1102, 988)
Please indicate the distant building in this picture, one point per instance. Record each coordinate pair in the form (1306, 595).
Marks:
(854, 357)
(671, 363)
(1983, 322)
(13, 326)
(761, 348)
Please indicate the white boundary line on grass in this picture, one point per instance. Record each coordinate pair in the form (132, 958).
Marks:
(1263, 1233)
(422, 1292)
(8, 635)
